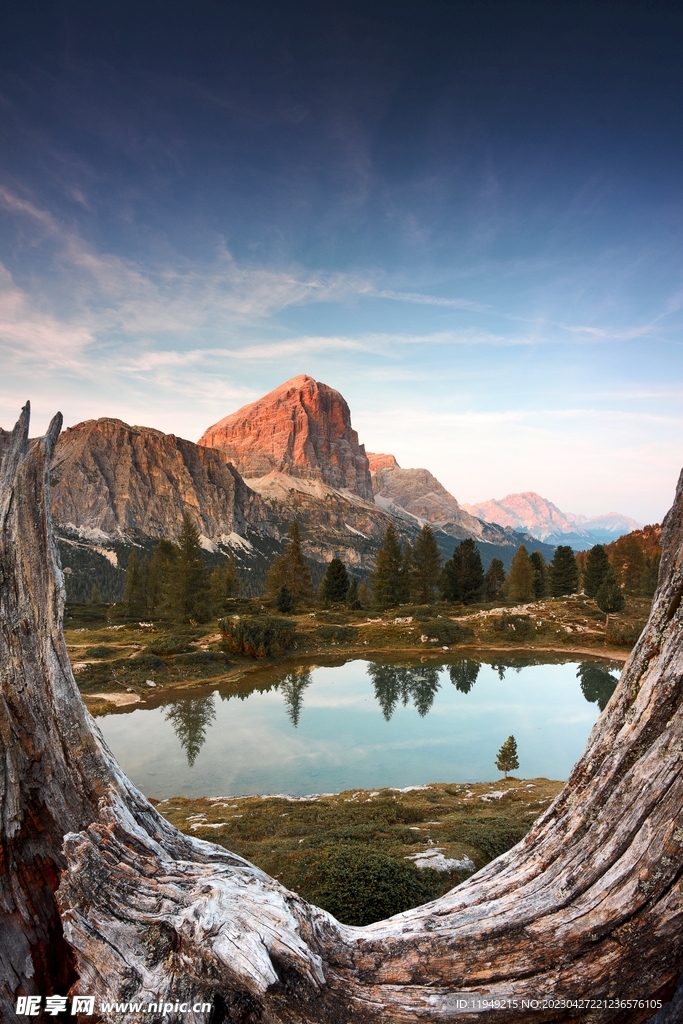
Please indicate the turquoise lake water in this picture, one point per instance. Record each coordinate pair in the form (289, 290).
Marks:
(362, 725)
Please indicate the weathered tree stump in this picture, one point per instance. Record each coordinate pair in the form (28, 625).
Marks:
(100, 893)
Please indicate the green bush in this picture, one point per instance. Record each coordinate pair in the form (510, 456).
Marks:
(100, 652)
(202, 658)
(516, 627)
(169, 645)
(446, 631)
(493, 835)
(340, 634)
(625, 634)
(360, 885)
(257, 636)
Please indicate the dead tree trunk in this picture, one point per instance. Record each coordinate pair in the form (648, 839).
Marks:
(100, 891)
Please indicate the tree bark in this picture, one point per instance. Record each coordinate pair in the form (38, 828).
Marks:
(101, 894)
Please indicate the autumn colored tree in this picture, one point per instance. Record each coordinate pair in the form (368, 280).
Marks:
(494, 580)
(519, 585)
(426, 566)
(540, 568)
(387, 579)
(563, 572)
(507, 759)
(597, 564)
(463, 574)
(335, 583)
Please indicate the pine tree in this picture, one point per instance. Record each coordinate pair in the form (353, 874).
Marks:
(563, 572)
(519, 585)
(133, 596)
(426, 568)
(387, 579)
(540, 568)
(353, 596)
(609, 597)
(597, 564)
(335, 583)
(364, 595)
(290, 570)
(407, 570)
(284, 602)
(494, 580)
(159, 573)
(507, 757)
(95, 595)
(188, 593)
(463, 575)
(223, 584)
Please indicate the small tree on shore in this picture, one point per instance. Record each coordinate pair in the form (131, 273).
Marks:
(426, 566)
(387, 579)
(494, 580)
(564, 572)
(507, 759)
(597, 565)
(290, 570)
(335, 583)
(538, 564)
(463, 574)
(519, 585)
(609, 597)
(353, 596)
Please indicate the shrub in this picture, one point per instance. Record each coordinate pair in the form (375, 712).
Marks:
(169, 645)
(257, 636)
(517, 627)
(360, 886)
(625, 634)
(339, 634)
(100, 652)
(445, 631)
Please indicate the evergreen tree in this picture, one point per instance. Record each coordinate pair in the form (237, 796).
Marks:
(134, 596)
(335, 583)
(540, 568)
(188, 593)
(190, 720)
(463, 575)
(159, 573)
(494, 580)
(95, 595)
(284, 602)
(407, 570)
(597, 564)
(563, 572)
(223, 584)
(290, 570)
(464, 674)
(293, 685)
(609, 597)
(507, 757)
(352, 595)
(597, 684)
(519, 585)
(426, 566)
(387, 579)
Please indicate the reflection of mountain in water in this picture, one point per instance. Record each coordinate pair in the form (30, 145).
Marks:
(293, 685)
(597, 683)
(190, 720)
(399, 682)
(464, 674)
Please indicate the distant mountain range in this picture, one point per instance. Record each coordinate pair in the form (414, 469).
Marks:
(292, 454)
(543, 520)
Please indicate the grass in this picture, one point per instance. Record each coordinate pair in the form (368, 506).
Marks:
(350, 852)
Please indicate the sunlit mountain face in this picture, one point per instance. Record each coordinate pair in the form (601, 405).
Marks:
(464, 217)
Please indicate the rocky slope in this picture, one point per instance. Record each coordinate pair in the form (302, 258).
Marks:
(301, 429)
(417, 493)
(544, 520)
(113, 481)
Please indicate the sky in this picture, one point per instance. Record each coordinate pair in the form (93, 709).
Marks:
(467, 217)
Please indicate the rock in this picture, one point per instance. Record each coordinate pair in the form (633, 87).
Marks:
(301, 429)
(112, 479)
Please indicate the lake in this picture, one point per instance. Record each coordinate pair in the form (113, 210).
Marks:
(362, 724)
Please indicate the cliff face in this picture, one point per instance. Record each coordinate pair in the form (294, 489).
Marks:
(419, 493)
(122, 480)
(301, 429)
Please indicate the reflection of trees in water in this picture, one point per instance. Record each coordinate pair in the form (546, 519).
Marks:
(500, 669)
(597, 683)
(293, 685)
(190, 720)
(464, 674)
(400, 682)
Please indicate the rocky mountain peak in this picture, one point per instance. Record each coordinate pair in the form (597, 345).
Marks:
(378, 462)
(301, 429)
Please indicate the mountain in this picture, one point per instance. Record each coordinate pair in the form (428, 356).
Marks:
(302, 429)
(544, 521)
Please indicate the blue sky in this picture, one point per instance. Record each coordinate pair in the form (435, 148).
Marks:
(465, 216)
